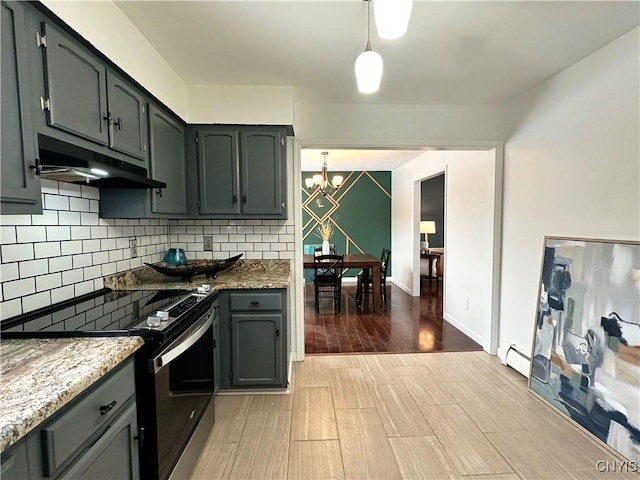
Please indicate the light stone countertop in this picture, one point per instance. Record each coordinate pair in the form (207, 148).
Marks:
(41, 375)
(245, 274)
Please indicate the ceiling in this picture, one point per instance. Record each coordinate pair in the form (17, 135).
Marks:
(454, 52)
(356, 160)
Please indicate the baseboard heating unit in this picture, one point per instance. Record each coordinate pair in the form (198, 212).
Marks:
(515, 357)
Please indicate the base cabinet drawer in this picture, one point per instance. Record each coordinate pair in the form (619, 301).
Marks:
(248, 302)
(75, 444)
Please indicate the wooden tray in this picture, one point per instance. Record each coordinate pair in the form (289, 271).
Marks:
(210, 269)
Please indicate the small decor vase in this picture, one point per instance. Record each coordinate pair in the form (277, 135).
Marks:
(326, 248)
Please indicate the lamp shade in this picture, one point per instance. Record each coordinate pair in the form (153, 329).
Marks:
(368, 71)
(428, 226)
(392, 17)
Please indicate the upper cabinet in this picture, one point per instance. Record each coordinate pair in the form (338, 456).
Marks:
(19, 187)
(240, 171)
(86, 99)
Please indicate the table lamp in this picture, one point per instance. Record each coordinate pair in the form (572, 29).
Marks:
(427, 227)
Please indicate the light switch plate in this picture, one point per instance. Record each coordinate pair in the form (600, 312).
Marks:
(133, 247)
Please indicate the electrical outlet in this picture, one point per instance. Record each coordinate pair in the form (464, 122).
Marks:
(133, 247)
(208, 243)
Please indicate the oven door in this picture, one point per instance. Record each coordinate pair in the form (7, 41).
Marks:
(184, 381)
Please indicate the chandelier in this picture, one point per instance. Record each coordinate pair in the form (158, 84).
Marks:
(320, 181)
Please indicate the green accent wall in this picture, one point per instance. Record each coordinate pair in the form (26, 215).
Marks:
(360, 211)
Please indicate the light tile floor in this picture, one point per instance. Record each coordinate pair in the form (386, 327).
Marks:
(392, 416)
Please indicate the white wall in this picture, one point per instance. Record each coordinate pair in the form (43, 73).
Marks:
(104, 25)
(469, 238)
(572, 168)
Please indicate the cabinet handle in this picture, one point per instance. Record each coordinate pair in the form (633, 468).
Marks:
(255, 304)
(140, 437)
(244, 199)
(107, 408)
(159, 192)
(235, 198)
(277, 332)
(108, 118)
(118, 123)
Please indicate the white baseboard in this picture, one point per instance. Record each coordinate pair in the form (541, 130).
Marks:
(464, 329)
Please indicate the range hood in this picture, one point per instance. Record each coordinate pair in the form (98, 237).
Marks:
(70, 163)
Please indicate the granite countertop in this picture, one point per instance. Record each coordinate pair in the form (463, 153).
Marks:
(245, 274)
(41, 375)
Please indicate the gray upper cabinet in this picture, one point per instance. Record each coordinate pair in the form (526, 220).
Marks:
(240, 171)
(20, 187)
(76, 87)
(218, 170)
(166, 140)
(82, 97)
(126, 117)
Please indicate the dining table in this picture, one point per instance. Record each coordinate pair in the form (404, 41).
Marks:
(359, 260)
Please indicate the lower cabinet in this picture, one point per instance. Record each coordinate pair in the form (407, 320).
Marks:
(253, 348)
(94, 436)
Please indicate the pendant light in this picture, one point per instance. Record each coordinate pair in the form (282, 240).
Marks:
(392, 17)
(368, 63)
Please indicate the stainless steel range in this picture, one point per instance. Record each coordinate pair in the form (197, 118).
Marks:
(175, 374)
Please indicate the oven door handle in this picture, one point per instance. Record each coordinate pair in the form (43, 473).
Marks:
(182, 344)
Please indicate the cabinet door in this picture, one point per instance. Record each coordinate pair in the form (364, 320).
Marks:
(19, 184)
(166, 141)
(13, 462)
(218, 172)
(256, 346)
(113, 455)
(76, 87)
(126, 118)
(262, 172)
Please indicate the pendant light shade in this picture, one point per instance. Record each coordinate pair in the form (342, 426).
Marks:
(392, 17)
(368, 63)
(368, 71)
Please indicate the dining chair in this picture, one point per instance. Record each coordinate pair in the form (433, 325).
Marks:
(365, 280)
(327, 279)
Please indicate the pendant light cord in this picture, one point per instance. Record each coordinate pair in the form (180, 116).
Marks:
(368, 47)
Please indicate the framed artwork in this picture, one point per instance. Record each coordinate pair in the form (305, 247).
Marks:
(586, 346)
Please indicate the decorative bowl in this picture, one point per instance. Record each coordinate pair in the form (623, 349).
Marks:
(194, 267)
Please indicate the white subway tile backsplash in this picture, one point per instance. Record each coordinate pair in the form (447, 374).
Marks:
(71, 247)
(236, 222)
(62, 293)
(7, 235)
(228, 229)
(139, 230)
(88, 218)
(286, 238)
(89, 246)
(82, 260)
(48, 282)
(90, 192)
(245, 229)
(18, 288)
(245, 246)
(69, 218)
(122, 242)
(10, 308)
(261, 229)
(80, 233)
(203, 223)
(33, 302)
(55, 202)
(108, 244)
(123, 266)
(9, 271)
(94, 206)
(16, 252)
(99, 258)
(269, 238)
(59, 264)
(128, 231)
(48, 217)
(237, 238)
(79, 204)
(83, 288)
(270, 222)
(58, 233)
(15, 219)
(108, 269)
(70, 277)
(116, 255)
(92, 272)
(253, 222)
(253, 255)
(49, 186)
(32, 268)
(208, 230)
(270, 255)
(287, 255)
(262, 246)
(70, 189)
(98, 232)
(31, 234)
(98, 283)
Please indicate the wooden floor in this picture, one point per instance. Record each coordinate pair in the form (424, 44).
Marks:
(399, 416)
(406, 324)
